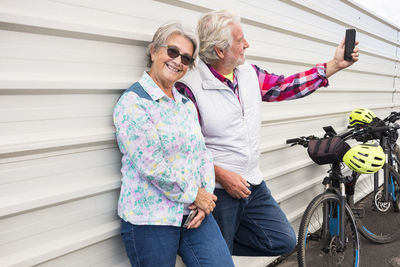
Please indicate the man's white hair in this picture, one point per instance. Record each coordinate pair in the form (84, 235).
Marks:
(214, 30)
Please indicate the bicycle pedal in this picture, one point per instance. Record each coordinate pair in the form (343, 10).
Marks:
(358, 212)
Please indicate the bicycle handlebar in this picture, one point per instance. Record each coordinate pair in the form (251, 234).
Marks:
(303, 140)
(365, 133)
(379, 129)
(353, 133)
(393, 117)
(293, 140)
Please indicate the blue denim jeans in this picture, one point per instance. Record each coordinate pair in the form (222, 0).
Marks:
(254, 226)
(156, 245)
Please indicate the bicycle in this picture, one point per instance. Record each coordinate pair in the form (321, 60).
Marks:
(376, 194)
(328, 233)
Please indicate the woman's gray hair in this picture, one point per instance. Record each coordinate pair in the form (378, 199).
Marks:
(164, 32)
(214, 31)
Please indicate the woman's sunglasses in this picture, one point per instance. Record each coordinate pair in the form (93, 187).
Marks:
(173, 52)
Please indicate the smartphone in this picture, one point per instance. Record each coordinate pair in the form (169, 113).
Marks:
(329, 130)
(190, 217)
(349, 44)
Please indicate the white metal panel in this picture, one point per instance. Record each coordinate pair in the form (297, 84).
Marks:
(63, 65)
(109, 252)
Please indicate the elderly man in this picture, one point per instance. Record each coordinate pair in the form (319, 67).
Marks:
(228, 92)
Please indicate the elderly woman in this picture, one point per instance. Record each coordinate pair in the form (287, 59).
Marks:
(167, 170)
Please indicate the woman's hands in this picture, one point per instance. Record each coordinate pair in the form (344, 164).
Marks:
(205, 204)
(205, 201)
(198, 219)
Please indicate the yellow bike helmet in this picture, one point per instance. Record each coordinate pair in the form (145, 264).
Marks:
(365, 158)
(361, 116)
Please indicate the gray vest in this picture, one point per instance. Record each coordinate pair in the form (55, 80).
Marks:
(231, 128)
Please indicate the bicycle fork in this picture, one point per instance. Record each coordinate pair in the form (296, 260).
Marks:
(342, 219)
(334, 223)
(386, 175)
(387, 181)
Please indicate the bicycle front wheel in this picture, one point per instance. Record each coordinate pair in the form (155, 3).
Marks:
(377, 217)
(318, 241)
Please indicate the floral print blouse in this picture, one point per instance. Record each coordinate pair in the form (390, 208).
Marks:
(164, 157)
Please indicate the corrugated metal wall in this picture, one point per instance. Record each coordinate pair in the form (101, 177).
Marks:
(63, 65)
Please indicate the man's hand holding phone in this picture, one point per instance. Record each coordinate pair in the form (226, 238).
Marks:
(339, 61)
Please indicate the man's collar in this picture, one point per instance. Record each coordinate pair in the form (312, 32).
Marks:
(208, 78)
(221, 77)
(216, 73)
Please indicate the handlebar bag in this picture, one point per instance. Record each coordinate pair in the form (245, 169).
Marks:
(327, 150)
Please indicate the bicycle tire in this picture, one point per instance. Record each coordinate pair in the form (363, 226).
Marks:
(313, 248)
(377, 221)
(396, 202)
